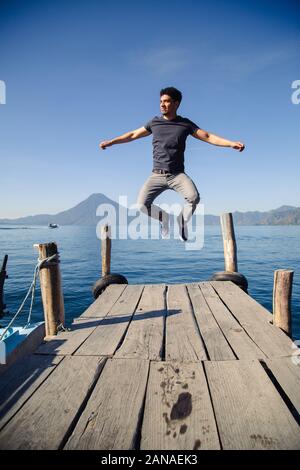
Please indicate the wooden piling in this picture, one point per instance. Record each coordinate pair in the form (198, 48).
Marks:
(282, 293)
(105, 249)
(51, 289)
(230, 251)
(3, 276)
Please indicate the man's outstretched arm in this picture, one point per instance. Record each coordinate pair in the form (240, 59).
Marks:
(128, 137)
(216, 140)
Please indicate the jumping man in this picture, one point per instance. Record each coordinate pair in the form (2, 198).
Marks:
(170, 132)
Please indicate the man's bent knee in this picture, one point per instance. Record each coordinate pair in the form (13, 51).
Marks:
(143, 207)
(194, 199)
(197, 200)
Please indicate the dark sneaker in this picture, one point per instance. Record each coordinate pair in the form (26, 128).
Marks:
(183, 229)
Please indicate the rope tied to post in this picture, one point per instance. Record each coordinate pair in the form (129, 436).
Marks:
(46, 262)
(41, 263)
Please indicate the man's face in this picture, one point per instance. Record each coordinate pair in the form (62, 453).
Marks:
(168, 105)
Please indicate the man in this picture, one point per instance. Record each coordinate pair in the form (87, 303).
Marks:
(170, 132)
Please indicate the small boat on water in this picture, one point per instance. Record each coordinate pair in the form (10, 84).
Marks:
(16, 341)
(53, 226)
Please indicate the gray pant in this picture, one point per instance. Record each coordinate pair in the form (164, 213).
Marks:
(157, 184)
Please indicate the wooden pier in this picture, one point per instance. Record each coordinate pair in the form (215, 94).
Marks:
(195, 366)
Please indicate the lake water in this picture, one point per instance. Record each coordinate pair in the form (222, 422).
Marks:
(261, 250)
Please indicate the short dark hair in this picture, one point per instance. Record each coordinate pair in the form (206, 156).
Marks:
(175, 94)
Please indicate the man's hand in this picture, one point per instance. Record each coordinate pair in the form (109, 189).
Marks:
(238, 146)
(104, 144)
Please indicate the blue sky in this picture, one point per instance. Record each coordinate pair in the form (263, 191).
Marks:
(78, 72)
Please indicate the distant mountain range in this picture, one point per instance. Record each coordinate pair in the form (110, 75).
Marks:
(84, 213)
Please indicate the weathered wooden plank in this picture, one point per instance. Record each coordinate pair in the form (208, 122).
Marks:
(107, 336)
(44, 420)
(19, 382)
(127, 302)
(183, 341)
(67, 342)
(235, 290)
(178, 411)
(213, 337)
(242, 345)
(144, 338)
(110, 419)
(249, 411)
(269, 338)
(286, 370)
(105, 301)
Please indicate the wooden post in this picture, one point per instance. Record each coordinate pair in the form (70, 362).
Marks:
(3, 276)
(282, 293)
(230, 252)
(105, 249)
(52, 296)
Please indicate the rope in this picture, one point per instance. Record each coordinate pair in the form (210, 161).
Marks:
(40, 264)
(33, 285)
(61, 328)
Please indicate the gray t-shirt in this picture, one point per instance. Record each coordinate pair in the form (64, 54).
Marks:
(169, 138)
